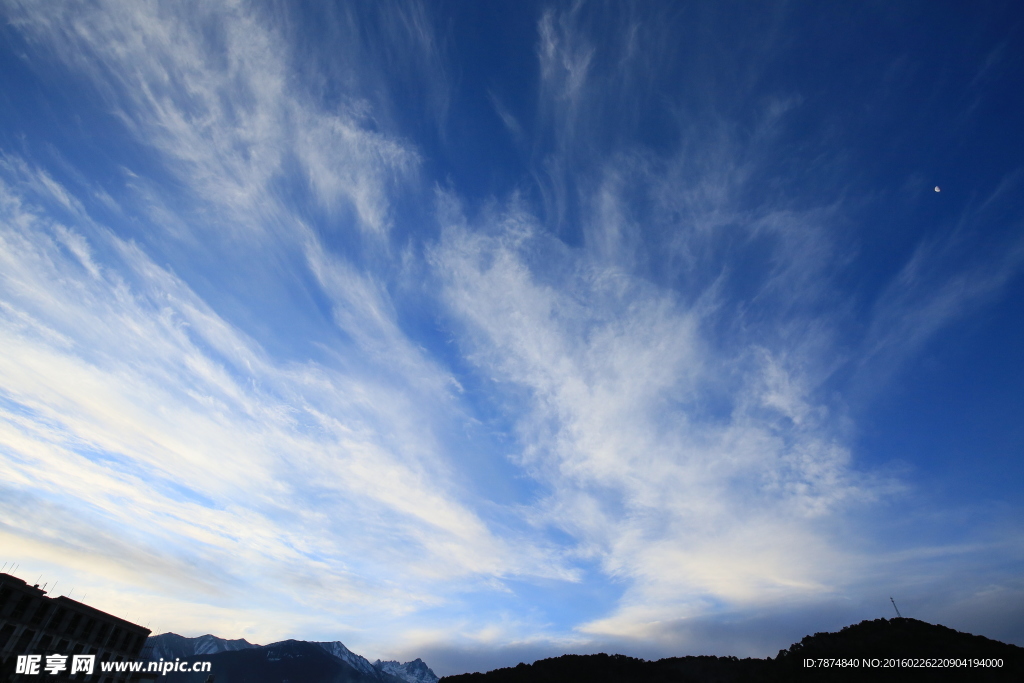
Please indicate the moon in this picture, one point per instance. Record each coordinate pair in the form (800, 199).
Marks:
(937, 189)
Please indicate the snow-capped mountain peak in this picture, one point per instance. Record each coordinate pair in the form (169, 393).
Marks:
(209, 644)
(170, 645)
(415, 671)
(339, 650)
(296, 653)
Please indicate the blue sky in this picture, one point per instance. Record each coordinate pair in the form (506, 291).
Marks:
(482, 332)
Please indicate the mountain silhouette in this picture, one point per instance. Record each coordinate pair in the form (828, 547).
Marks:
(878, 650)
(169, 646)
(289, 661)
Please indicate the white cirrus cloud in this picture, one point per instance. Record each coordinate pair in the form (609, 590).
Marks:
(616, 378)
(147, 429)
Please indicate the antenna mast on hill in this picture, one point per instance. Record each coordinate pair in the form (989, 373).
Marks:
(895, 607)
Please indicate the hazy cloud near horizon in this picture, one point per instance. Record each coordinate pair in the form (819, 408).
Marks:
(327, 323)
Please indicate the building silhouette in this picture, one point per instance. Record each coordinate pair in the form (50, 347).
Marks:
(33, 624)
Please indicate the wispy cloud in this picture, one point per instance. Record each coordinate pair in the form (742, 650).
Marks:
(617, 379)
(210, 88)
(261, 365)
(944, 279)
(129, 403)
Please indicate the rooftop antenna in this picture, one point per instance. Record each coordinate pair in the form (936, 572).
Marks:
(895, 607)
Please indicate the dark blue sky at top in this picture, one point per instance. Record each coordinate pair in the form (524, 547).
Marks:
(893, 100)
(618, 247)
